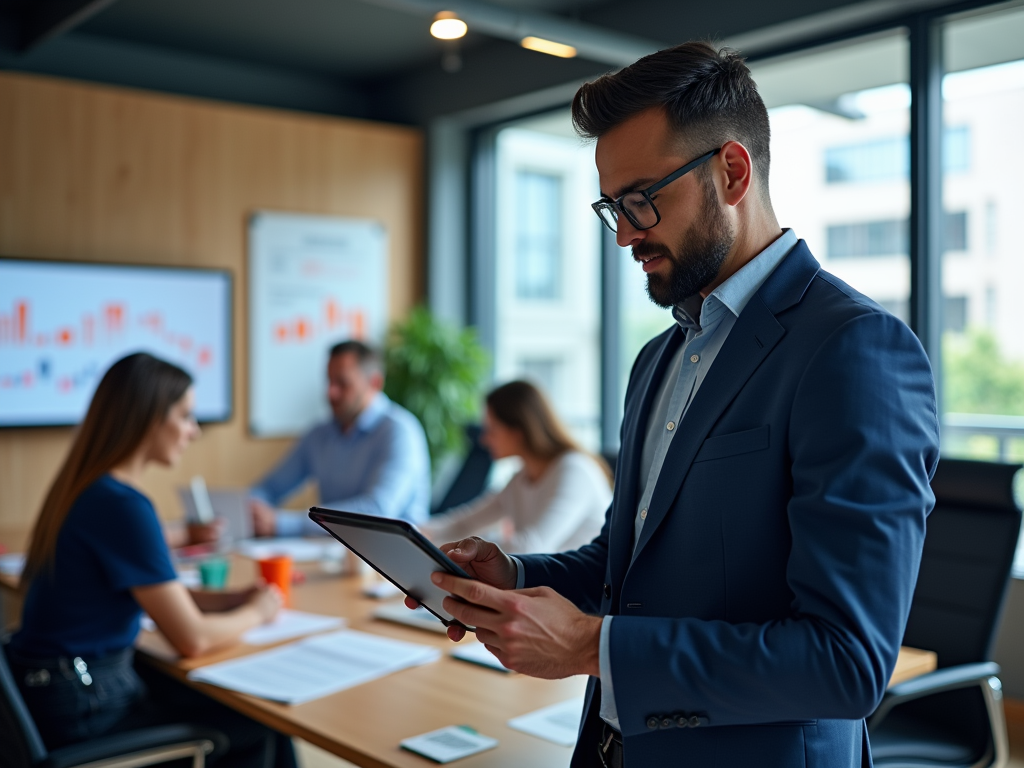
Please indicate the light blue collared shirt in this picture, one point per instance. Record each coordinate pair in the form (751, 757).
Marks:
(704, 338)
(380, 466)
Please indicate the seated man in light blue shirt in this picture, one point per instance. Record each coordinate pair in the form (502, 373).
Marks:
(371, 457)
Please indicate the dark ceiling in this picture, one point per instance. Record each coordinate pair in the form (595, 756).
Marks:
(361, 58)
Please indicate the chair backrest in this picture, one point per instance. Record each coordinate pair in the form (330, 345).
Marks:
(20, 743)
(965, 569)
(471, 481)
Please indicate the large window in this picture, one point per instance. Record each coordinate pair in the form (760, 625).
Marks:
(917, 211)
(982, 384)
(840, 160)
(547, 321)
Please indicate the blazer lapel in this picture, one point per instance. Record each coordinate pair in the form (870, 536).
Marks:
(621, 535)
(752, 338)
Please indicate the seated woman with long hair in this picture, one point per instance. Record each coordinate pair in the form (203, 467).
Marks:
(98, 559)
(557, 501)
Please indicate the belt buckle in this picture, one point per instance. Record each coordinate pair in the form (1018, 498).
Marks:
(604, 745)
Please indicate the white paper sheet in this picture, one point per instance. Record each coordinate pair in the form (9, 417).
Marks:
(317, 666)
(447, 744)
(475, 653)
(299, 550)
(12, 563)
(288, 624)
(420, 617)
(559, 723)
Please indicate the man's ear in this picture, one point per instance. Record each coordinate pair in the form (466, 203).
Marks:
(736, 172)
(377, 381)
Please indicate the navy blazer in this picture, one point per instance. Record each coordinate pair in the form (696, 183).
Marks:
(766, 598)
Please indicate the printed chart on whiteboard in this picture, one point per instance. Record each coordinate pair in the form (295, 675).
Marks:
(314, 281)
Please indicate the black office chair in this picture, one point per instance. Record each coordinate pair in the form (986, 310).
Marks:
(954, 716)
(471, 480)
(22, 747)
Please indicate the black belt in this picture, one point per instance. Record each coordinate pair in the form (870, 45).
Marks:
(609, 749)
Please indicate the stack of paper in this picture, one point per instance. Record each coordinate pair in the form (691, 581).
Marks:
(315, 667)
(418, 617)
(477, 653)
(288, 624)
(299, 550)
(559, 723)
(12, 563)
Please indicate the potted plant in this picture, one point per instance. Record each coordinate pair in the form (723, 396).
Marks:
(436, 371)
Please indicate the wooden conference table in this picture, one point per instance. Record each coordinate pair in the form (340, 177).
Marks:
(364, 724)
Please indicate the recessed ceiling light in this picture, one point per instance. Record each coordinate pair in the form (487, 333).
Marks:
(448, 26)
(549, 47)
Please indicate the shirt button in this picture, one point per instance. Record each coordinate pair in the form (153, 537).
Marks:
(670, 426)
(694, 358)
(643, 513)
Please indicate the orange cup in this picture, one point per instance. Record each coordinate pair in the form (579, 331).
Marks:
(277, 570)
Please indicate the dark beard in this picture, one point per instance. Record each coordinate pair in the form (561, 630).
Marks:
(698, 259)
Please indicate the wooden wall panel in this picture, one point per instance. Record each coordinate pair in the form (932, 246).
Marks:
(94, 173)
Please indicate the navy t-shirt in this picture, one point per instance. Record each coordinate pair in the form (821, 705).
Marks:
(111, 541)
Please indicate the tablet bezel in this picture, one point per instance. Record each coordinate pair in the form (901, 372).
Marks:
(397, 528)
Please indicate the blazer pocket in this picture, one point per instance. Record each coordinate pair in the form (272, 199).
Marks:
(721, 446)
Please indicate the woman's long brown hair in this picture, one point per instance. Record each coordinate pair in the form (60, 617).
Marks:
(134, 395)
(523, 407)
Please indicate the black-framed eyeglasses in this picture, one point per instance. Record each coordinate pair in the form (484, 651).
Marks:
(638, 206)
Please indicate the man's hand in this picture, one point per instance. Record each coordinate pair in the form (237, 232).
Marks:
(482, 560)
(263, 521)
(535, 631)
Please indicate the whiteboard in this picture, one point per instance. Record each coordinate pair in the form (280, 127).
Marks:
(63, 324)
(313, 281)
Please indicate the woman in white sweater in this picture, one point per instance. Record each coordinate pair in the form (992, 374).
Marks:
(557, 501)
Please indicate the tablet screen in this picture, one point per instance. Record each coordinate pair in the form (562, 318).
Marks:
(396, 550)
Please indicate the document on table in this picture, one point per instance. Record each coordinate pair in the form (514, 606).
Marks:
(559, 723)
(288, 624)
(299, 550)
(476, 653)
(447, 744)
(314, 667)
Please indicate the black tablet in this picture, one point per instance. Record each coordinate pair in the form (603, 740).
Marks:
(395, 550)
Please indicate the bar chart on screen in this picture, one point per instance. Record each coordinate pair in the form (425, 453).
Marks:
(62, 325)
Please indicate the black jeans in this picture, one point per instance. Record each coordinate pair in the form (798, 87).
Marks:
(122, 696)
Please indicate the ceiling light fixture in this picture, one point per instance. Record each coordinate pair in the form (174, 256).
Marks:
(548, 46)
(448, 26)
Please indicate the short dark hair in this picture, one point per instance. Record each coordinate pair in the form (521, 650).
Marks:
(369, 359)
(708, 95)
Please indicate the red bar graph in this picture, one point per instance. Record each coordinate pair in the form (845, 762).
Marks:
(301, 329)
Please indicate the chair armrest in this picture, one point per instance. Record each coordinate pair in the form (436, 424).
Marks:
(948, 679)
(151, 746)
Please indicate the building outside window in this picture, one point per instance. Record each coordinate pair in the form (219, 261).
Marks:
(983, 368)
(548, 268)
(840, 158)
(538, 255)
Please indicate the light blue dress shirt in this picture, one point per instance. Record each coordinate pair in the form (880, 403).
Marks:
(380, 466)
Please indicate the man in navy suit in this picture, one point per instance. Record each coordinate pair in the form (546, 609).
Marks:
(745, 601)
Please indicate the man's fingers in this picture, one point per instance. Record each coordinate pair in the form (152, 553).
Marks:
(470, 615)
(410, 603)
(456, 633)
(461, 551)
(470, 590)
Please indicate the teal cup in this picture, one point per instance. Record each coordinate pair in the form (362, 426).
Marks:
(213, 573)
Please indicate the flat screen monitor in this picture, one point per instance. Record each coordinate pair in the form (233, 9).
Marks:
(62, 324)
